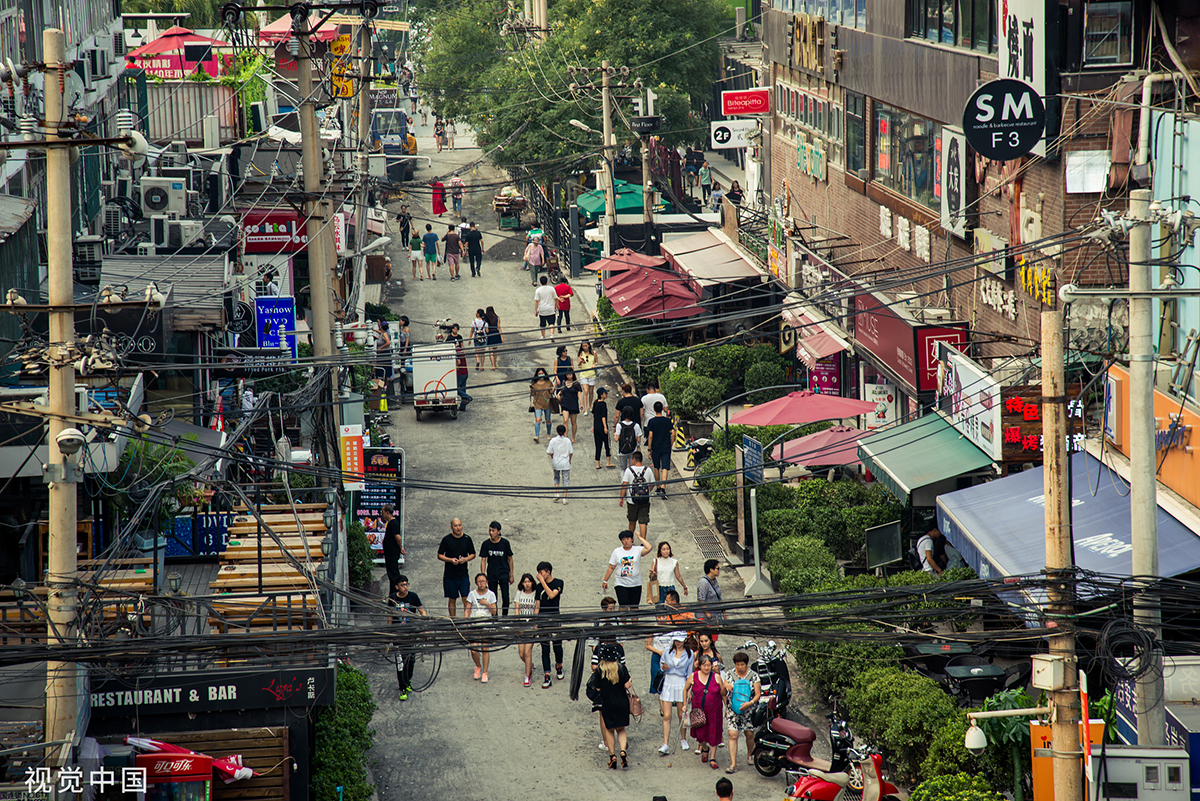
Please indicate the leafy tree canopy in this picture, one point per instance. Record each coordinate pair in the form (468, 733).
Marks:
(515, 89)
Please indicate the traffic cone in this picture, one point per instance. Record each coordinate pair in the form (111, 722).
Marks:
(691, 460)
(383, 402)
(680, 440)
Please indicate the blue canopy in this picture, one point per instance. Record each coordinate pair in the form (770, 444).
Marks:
(1000, 527)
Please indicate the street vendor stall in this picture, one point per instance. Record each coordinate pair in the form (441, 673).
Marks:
(508, 206)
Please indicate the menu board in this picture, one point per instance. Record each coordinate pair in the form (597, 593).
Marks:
(383, 469)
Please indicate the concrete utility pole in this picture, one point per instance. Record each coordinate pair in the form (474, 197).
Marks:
(62, 690)
(1143, 481)
(647, 184)
(610, 148)
(320, 235)
(1064, 727)
(366, 52)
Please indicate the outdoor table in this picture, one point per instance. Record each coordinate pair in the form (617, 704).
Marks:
(973, 671)
(975, 683)
(931, 657)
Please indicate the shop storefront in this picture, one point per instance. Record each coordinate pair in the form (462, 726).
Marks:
(922, 459)
(821, 349)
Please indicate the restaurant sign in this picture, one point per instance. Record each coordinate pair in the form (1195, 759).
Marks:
(212, 691)
(906, 347)
(1021, 423)
(970, 398)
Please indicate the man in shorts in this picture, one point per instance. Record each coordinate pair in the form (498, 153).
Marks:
(431, 244)
(453, 251)
(659, 433)
(544, 301)
(456, 550)
(637, 504)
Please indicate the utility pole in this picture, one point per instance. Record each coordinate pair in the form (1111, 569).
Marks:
(1064, 726)
(610, 146)
(1143, 480)
(62, 689)
(319, 233)
(366, 53)
(647, 188)
(541, 19)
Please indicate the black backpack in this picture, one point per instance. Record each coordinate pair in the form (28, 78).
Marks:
(627, 438)
(914, 560)
(639, 488)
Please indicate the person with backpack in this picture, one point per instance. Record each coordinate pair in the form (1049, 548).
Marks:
(743, 689)
(635, 493)
(660, 434)
(629, 433)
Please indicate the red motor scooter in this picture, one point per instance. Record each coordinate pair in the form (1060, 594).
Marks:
(821, 786)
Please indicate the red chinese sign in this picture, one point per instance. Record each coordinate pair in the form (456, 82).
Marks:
(908, 349)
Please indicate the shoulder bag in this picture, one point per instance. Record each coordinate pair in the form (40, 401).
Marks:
(697, 719)
(635, 704)
(652, 584)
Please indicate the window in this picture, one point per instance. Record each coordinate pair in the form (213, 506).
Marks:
(958, 23)
(906, 154)
(856, 133)
(850, 13)
(1108, 34)
(806, 112)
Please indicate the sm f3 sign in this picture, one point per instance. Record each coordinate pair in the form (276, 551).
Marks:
(1004, 119)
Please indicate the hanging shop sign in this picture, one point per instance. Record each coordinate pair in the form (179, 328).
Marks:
(274, 316)
(273, 232)
(735, 102)
(351, 437)
(908, 349)
(787, 334)
(954, 182)
(810, 159)
(212, 691)
(971, 400)
(1021, 53)
(884, 396)
(1021, 423)
(1037, 280)
(1005, 119)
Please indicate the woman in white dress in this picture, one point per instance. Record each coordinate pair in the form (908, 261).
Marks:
(676, 666)
(482, 603)
(527, 606)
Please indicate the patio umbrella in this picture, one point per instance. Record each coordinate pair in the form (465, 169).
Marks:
(230, 767)
(628, 198)
(798, 408)
(173, 40)
(833, 446)
(642, 277)
(657, 295)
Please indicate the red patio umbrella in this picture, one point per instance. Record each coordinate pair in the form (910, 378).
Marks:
(833, 446)
(639, 277)
(173, 40)
(798, 408)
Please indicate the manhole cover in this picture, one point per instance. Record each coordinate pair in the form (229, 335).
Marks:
(709, 544)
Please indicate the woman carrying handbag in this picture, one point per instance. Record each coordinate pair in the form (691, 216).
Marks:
(704, 701)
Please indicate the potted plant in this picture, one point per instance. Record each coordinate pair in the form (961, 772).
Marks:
(689, 396)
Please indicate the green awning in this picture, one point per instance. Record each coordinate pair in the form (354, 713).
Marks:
(919, 453)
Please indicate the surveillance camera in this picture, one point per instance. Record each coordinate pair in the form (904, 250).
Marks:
(70, 440)
(975, 741)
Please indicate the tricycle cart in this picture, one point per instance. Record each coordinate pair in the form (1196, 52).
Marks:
(435, 379)
(508, 208)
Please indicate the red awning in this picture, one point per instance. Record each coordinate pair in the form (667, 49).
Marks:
(625, 259)
(817, 346)
(281, 29)
(173, 40)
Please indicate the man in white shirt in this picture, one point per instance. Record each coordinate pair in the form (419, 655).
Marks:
(651, 397)
(560, 450)
(925, 548)
(635, 493)
(544, 301)
(627, 562)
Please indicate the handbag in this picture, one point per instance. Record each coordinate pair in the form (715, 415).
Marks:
(656, 684)
(531, 409)
(635, 704)
(554, 404)
(696, 716)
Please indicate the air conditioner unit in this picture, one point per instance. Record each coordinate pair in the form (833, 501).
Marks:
(909, 300)
(118, 46)
(83, 68)
(124, 184)
(160, 230)
(931, 315)
(218, 187)
(258, 117)
(112, 221)
(163, 194)
(99, 62)
(194, 206)
(182, 173)
(146, 249)
(189, 231)
(89, 248)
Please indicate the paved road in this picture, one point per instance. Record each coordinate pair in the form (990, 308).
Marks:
(461, 738)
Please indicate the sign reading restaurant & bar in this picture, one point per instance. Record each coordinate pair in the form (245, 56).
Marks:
(212, 691)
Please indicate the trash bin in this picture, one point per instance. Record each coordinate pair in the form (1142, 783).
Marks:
(153, 545)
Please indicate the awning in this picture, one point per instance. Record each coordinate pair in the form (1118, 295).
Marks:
(817, 346)
(1000, 527)
(922, 453)
(708, 259)
(817, 337)
(281, 29)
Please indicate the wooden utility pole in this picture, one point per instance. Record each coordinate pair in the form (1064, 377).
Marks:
(366, 52)
(610, 147)
(320, 235)
(1064, 720)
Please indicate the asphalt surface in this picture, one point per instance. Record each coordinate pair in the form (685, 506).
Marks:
(461, 738)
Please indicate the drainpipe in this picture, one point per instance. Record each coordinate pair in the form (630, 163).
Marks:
(1143, 147)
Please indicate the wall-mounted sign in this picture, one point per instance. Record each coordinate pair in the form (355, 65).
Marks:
(1036, 279)
(351, 437)
(954, 182)
(999, 298)
(971, 399)
(382, 469)
(273, 232)
(787, 336)
(909, 349)
(272, 317)
(249, 362)
(1005, 119)
(806, 45)
(746, 101)
(1021, 55)
(810, 159)
(212, 691)
(775, 260)
(884, 396)
(826, 375)
(1021, 423)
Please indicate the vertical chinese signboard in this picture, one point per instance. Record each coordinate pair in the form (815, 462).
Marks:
(352, 457)
(971, 399)
(1022, 37)
(382, 471)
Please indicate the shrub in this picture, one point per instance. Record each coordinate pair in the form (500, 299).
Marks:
(297, 481)
(342, 737)
(360, 560)
(801, 563)
(764, 374)
(375, 311)
(719, 489)
(948, 756)
(900, 711)
(725, 363)
(604, 308)
(776, 524)
(645, 362)
(831, 666)
(690, 395)
(764, 353)
(959, 787)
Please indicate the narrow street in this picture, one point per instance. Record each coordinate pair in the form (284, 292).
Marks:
(460, 736)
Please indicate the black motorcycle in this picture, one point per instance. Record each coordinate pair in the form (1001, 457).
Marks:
(771, 667)
(781, 744)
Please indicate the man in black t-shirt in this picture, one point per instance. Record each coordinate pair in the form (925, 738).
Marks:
(473, 239)
(627, 401)
(549, 594)
(407, 605)
(497, 557)
(393, 545)
(456, 550)
(660, 433)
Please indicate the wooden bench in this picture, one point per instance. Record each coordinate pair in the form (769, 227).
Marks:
(282, 507)
(264, 612)
(136, 580)
(116, 564)
(250, 521)
(245, 549)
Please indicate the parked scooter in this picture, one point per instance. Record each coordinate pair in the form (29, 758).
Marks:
(822, 786)
(771, 667)
(782, 744)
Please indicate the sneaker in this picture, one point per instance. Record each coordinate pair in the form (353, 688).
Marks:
(546, 682)
(664, 749)
(483, 678)
(720, 745)
(528, 681)
(404, 696)
(560, 673)
(478, 672)
(435, 278)
(683, 745)
(564, 501)
(602, 747)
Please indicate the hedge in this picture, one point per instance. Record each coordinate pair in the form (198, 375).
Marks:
(342, 737)
(959, 787)
(725, 363)
(764, 374)
(901, 712)
(800, 564)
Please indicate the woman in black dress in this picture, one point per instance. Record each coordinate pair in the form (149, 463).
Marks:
(614, 682)
(562, 364)
(568, 399)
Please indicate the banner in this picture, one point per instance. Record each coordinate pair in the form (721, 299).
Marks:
(352, 457)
